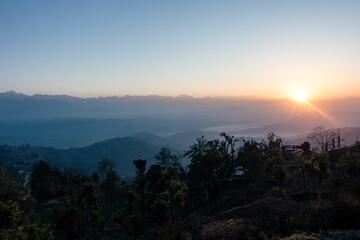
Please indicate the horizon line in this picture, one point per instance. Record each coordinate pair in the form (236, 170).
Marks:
(184, 96)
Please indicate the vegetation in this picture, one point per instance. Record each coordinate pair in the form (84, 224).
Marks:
(15, 222)
(249, 192)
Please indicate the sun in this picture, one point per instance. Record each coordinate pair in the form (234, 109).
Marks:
(299, 96)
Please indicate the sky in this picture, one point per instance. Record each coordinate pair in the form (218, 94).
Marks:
(199, 48)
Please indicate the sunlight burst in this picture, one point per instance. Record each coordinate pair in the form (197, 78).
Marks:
(299, 96)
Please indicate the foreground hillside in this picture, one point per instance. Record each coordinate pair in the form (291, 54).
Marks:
(330, 235)
(225, 192)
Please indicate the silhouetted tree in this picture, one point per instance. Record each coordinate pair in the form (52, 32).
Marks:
(165, 158)
(304, 169)
(249, 158)
(79, 220)
(227, 149)
(41, 183)
(9, 188)
(14, 224)
(70, 183)
(105, 166)
(153, 177)
(166, 203)
(321, 137)
(88, 202)
(130, 218)
(319, 168)
(349, 164)
(273, 146)
(305, 146)
(95, 178)
(110, 183)
(140, 166)
(203, 175)
(275, 165)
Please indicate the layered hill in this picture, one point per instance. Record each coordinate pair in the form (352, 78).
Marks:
(122, 150)
(62, 121)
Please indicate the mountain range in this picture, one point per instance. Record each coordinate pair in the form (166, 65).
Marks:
(62, 121)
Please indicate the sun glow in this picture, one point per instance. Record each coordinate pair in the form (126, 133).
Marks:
(299, 96)
(302, 97)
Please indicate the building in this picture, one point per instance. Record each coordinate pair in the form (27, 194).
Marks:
(293, 151)
(336, 153)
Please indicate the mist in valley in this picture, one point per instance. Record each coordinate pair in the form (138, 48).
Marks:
(64, 121)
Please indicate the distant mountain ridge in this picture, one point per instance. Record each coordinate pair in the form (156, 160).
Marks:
(13, 95)
(63, 97)
(63, 121)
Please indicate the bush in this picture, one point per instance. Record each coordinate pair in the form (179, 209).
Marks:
(343, 213)
(172, 231)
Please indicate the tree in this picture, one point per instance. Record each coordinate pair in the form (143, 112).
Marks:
(167, 203)
(319, 168)
(95, 178)
(70, 183)
(140, 166)
(88, 202)
(321, 137)
(79, 220)
(141, 180)
(110, 182)
(41, 183)
(304, 169)
(14, 224)
(305, 146)
(9, 188)
(205, 169)
(273, 147)
(249, 158)
(153, 177)
(227, 149)
(69, 220)
(349, 164)
(276, 167)
(165, 158)
(130, 218)
(105, 166)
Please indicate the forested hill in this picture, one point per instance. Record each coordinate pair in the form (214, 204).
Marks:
(122, 150)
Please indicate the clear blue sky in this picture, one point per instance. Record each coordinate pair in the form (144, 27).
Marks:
(263, 48)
